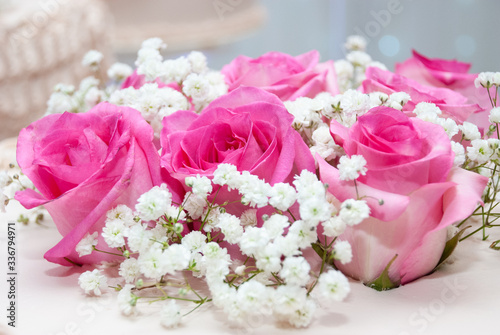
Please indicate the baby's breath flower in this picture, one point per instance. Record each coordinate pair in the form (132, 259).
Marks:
(351, 167)
(113, 233)
(495, 115)
(470, 131)
(295, 271)
(201, 185)
(333, 227)
(154, 203)
(85, 246)
(333, 285)
(129, 270)
(119, 71)
(127, 300)
(342, 252)
(459, 151)
(92, 59)
(170, 315)
(92, 282)
(353, 212)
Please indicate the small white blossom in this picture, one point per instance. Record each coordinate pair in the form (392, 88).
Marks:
(450, 126)
(119, 71)
(253, 239)
(495, 115)
(231, 227)
(127, 300)
(176, 70)
(487, 79)
(398, 99)
(129, 270)
(470, 131)
(225, 174)
(268, 258)
(459, 151)
(198, 61)
(359, 58)
(176, 258)
(342, 252)
(289, 298)
(304, 232)
(356, 42)
(152, 263)
(334, 226)
(92, 59)
(295, 271)
(479, 151)
(139, 238)
(351, 167)
(147, 55)
(427, 111)
(113, 233)
(353, 212)
(276, 225)
(315, 210)
(250, 296)
(288, 245)
(201, 185)
(122, 213)
(170, 315)
(85, 246)
(355, 102)
(333, 285)
(282, 196)
(155, 43)
(92, 282)
(154, 203)
(194, 241)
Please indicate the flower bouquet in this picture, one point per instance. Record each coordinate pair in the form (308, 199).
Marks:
(272, 180)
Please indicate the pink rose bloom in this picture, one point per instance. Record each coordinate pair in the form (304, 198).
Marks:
(281, 74)
(84, 165)
(449, 74)
(410, 168)
(248, 128)
(453, 104)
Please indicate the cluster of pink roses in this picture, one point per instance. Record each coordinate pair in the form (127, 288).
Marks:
(85, 164)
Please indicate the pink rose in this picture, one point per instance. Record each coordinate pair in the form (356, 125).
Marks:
(453, 104)
(449, 74)
(248, 128)
(84, 165)
(281, 74)
(410, 168)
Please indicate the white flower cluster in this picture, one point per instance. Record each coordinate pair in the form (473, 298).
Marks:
(152, 101)
(276, 281)
(13, 180)
(487, 79)
(351, 71)
(190, 72)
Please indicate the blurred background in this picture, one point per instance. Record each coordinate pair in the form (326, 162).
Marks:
(42, 42)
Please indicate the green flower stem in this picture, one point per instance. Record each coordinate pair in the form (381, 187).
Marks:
(107, 252)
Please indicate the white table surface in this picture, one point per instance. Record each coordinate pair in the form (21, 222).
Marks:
(460, 298)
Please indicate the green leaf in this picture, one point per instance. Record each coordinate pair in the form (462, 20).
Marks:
(384, 282)
(450, 246)
(495, 246)
(319, 249)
